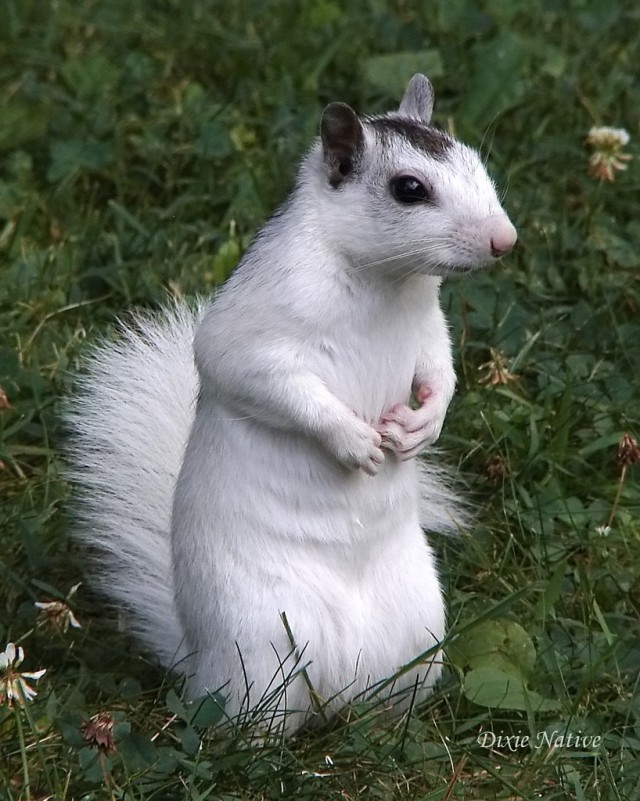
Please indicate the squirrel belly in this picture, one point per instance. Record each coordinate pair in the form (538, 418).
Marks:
(247, 472)
(267, 535)
(267, 522)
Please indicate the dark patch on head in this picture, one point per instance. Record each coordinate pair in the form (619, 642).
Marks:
(428, 138)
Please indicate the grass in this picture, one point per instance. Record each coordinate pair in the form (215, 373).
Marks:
(141, 145)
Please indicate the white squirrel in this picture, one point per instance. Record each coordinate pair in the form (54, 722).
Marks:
(279, 557)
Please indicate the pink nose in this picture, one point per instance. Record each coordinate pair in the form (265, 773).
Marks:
(502, 234)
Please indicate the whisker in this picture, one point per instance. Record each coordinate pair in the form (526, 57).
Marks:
(489, 128)
(404, 256)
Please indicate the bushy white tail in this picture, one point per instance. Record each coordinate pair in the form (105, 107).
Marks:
(128, 426)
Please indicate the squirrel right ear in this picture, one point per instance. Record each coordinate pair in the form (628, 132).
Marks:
(418, 99)
(342, 140)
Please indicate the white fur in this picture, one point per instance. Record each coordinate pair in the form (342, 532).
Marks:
(299, 494)
(129, 424)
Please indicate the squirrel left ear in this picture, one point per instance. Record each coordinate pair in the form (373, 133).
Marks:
(342, 140)
(418, 99)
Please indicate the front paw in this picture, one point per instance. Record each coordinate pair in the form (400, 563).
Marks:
(407, 432)
(357, 446)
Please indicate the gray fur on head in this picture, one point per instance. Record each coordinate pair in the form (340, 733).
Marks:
(418, 99)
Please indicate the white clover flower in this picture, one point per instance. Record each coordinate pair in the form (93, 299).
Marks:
(606, 138)
(607, 143)
(98, 732)
(497, 370)
(58, 613)
(13, 685)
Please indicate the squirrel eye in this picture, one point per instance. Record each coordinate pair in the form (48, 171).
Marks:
(407, 189)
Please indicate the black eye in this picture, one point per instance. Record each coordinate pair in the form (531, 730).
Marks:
(407, 189)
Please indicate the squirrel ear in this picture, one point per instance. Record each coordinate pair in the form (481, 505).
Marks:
(342, 137)
(418, 99)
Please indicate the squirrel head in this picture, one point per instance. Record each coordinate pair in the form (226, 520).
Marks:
(396, 193)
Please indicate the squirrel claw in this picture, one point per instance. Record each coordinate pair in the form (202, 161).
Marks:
(406, 431)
